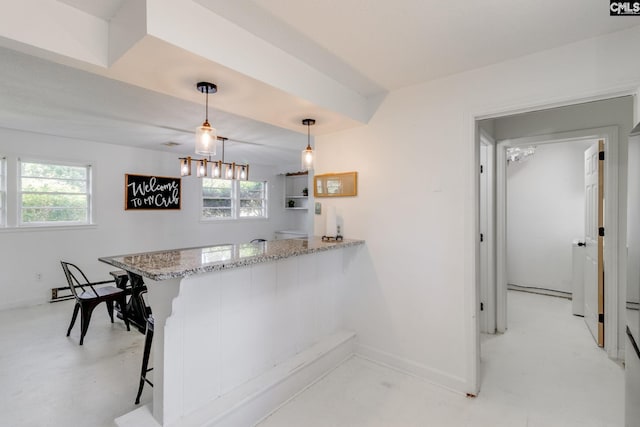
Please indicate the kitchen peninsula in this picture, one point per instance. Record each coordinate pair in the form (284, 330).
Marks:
(240, 328)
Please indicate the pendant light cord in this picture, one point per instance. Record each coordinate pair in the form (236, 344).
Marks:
(206, 103)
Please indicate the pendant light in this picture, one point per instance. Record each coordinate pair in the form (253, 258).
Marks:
(202, 168)
(185, 166)
(206, 141)
(307, 153)
(206, 136)
(219, 168)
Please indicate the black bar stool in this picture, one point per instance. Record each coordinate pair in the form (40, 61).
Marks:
(148, 340)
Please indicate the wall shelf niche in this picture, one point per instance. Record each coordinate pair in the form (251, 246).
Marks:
(295, 197)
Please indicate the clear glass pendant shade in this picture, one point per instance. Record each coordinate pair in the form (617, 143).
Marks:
(206, 139)
(307, 158)
(185, 166)
(202, 168)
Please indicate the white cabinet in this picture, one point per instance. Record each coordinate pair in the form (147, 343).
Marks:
(296, 191)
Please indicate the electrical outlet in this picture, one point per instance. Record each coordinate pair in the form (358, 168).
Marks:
(38, 276)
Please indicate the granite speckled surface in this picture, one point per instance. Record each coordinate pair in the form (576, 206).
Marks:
(178, 263)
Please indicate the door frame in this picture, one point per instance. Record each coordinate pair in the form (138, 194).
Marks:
(610, 136)
(488, 246)
(472, 116)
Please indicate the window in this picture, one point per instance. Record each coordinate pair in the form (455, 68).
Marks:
(253, 199)
(3, 191)
(54, 194)
(217, 198)
(225, 199)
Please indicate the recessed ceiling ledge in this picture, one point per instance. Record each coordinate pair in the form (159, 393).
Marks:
(55, 30)
(126, 28)
(198, 30)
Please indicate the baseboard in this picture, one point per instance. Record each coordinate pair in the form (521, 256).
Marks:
(256, 399)
(540, 291)
(140, 417)
(410, 367)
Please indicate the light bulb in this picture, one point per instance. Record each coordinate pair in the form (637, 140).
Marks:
(202, 168)
(185, 166)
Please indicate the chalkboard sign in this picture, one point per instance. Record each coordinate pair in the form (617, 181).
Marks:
(151, 192)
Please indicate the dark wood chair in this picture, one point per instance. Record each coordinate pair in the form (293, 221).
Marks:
(88, 297)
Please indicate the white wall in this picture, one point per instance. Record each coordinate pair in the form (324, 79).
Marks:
(414, 301)
(545, 213)
(26, 252)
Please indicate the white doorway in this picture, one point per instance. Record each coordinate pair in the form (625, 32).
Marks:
(611, 213)
(614, 113)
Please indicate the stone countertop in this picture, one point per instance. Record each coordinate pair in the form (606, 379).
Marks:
(178, 263)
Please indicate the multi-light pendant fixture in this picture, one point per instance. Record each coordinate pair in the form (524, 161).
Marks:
(206, 142)
(219, 168)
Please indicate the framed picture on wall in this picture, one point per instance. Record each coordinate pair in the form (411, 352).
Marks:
(145, 192)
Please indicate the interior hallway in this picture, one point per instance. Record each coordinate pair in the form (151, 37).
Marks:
(546, 371)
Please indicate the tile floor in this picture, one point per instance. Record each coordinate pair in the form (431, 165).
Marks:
(546, 371)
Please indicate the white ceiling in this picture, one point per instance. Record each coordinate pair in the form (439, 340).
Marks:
(368, 47)
(404, 42)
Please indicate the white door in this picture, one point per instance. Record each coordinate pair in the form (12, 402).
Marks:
(593, 266)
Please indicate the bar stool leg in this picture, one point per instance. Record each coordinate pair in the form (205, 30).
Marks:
(145, 358)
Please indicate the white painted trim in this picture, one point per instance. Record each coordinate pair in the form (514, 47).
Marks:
(610, 135)
(612, 327)
(501, 238)
(410, 367)
(471, 261)
(550, 103)
(490, 234)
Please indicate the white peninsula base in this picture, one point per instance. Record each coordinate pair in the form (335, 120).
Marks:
(239, 342)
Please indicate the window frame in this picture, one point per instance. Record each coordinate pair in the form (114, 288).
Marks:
(40, 224)
(264, 199)
(235, 202)
(203, 207)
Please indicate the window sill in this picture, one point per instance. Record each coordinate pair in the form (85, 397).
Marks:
(221, 220)
(31, 228)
